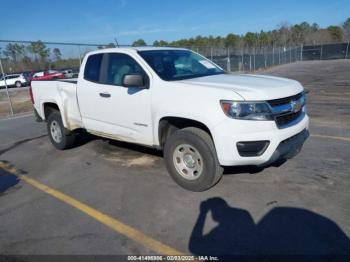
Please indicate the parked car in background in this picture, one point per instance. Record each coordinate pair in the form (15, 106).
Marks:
(68, 73)
(14, 80)
(75, 73)
(38, 74)
(48, 75)
(28, 76)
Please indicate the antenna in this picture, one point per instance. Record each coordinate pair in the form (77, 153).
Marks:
(116, 41)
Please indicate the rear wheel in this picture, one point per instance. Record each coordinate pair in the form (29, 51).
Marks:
(60, 137)
(18, 84)
(191, 159)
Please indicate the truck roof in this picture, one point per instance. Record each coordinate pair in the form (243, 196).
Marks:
(150, 48)
(139, 48)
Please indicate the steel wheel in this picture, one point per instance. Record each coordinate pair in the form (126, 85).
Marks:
(56, 132)
(188, 161)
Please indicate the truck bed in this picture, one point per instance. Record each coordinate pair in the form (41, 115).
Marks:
(64, 94)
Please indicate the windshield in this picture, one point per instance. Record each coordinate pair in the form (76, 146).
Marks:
(179, 64)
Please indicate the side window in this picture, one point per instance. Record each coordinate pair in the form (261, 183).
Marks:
(92, 68)
(120, 65)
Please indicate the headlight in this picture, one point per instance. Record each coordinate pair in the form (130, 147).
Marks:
(247, 110)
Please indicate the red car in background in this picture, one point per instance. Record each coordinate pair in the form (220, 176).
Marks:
(48, 75)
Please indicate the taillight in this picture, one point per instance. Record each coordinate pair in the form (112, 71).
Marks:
(31, 93)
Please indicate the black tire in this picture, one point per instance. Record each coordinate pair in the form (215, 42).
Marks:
(202, 142)
(67, 137)
(18, 84)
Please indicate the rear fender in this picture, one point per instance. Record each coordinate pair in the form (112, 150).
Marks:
(60, 107)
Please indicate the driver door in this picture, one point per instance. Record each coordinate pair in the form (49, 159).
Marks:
(111, 110)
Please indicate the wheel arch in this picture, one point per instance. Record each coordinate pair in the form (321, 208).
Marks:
(48, 107)
(168, 124)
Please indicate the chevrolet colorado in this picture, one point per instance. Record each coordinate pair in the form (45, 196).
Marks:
(180, 102)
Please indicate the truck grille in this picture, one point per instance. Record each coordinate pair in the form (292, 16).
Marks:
(285, 100)
(284, 120)
(285, 109)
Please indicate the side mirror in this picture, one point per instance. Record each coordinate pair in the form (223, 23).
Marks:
(134, 80)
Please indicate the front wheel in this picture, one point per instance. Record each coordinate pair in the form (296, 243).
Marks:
(191, 159)
(60, 137)
(18, 84)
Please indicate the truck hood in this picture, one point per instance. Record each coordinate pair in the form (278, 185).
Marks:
(250, 87)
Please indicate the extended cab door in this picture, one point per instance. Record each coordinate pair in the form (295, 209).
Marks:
(109, 109)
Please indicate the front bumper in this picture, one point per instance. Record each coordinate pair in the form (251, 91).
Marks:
(289, 148)
(283, 143)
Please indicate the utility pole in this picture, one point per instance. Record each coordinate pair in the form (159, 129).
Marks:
(301, 52)
(243, 59)
(254, 59)
(279, 56)
(347, 50)
(7, 91)
(250, 62)
(79, 55)
(228, 60)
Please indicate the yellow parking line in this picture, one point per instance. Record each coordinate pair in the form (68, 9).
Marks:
(111, 222)
(332, 137)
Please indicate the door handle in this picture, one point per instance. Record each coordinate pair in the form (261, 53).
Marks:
(105, 95)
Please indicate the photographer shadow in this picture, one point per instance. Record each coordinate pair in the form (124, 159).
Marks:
(281, 231)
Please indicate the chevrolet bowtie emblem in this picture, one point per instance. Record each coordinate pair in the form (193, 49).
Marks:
(296, 106)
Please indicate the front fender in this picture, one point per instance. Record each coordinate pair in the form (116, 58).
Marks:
(204, 119)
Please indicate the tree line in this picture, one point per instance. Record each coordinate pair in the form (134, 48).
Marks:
(33, 57)
(37, 56)
(285, 35)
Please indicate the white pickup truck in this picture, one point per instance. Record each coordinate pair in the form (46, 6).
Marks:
(180, 102)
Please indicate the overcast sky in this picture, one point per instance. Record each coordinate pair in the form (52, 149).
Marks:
(99, 21)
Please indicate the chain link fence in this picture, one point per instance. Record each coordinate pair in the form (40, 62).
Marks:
(326, 51)
(250, 59)
(27, 58)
